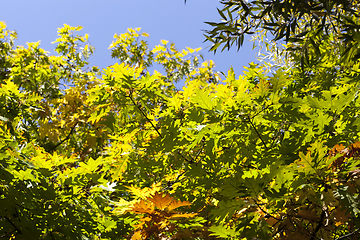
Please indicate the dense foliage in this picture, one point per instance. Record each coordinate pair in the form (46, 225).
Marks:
(301, 22)
(287, 20)
(121, 153)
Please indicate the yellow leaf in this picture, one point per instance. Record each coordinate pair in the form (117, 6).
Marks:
(143, 207)
(141, 193)
(262, 88)
(184, 215)
(41, 161)
(10, 87)
(137, 236)
(118, 168)
(164, 42)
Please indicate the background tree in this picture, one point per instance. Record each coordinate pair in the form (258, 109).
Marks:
(302, 23)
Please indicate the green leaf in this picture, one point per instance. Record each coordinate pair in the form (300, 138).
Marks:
(203, 99)
(278, 81)
(222, 231)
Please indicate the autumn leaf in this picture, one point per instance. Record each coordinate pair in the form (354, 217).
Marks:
(182, 215)
(161, 201)
(118, 168)
(341, 216)
(176, 204)
(143, 207)
(137, 236)
(140, 192)
(272, 221)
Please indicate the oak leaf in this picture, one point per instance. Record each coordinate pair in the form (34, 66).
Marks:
(160, 201)
(176, 204)
(184, 215)
(308, 214)
(143, 207)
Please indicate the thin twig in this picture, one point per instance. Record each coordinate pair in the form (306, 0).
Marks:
(153, 126)
(8, 234)
(13, 225)
(189, 161)
(258, 134)
(266, 107)
(320, 224)
(268, 214)
(197, 155)
(348, 235)
(65, 139)
(142, 112)
(171, 183)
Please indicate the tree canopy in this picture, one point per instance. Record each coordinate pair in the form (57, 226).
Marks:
(122, 153)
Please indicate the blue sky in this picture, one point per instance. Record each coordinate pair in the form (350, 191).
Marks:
(171, 20)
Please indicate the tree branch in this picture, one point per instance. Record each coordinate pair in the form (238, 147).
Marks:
(12, 224)
(153, 126)
(197, 155)
(171, 183)
(348, 235)
(258, 133)
(142, 112)
(266, 213)
(189, 161)
(320, 224)
(65, 139)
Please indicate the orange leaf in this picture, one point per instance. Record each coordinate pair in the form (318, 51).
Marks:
(137, 236)
(336, 149)
(176, 204)
(341, 217)
(355, 149)
(272, 221)
(160, 200)
(184, 215)
(143, 207)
